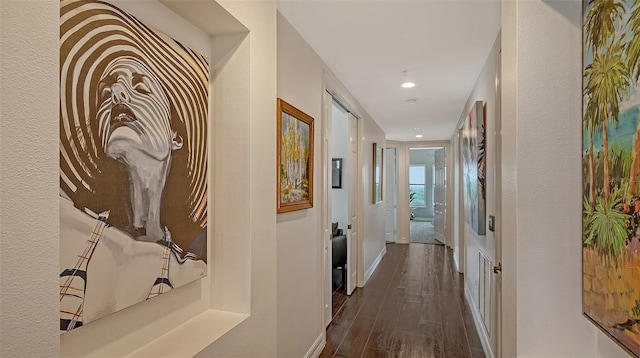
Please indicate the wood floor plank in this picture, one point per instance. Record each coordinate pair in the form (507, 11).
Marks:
(375, 353)
(477, 353)
(455, 340)
(431, 311)
(470, 327)
(412, 306)
(381, 337)
(335, 335)
(356, 338)
(418, 344)
(372, 306)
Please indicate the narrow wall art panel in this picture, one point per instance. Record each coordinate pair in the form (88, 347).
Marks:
(294, 146)
(611, 169)
(474, 168)
(133, 162)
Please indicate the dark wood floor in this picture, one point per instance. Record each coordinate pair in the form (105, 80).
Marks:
(412, 306)
(339, 296)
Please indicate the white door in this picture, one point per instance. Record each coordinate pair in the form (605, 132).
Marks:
(326, 210)
(352, 228)
(391, 201)
(440, 196)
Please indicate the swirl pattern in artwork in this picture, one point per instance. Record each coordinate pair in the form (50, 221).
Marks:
(95, 37)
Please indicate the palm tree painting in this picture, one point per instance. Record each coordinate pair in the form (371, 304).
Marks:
(295, 158)
(611, 168)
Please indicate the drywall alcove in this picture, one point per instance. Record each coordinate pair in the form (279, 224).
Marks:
(187, 319)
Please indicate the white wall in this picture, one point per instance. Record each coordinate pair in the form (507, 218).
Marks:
(29, 179)
(374, 214)
(340, 144)
(302, 77)
(299, 243)
(484, 90)
(29, 143)
(547, 129)
(256, 337)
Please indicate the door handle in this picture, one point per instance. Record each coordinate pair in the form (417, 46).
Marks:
(497, 269)
(349, 227)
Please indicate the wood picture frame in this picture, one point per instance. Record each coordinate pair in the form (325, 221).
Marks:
(376, 183)
(294, 159)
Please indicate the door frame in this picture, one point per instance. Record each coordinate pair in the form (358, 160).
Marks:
(392, 187)
(354, 247)
(332, 91)
(459, 168)
(447, 201)
(403, 160)
(498, 175)
(326, 233)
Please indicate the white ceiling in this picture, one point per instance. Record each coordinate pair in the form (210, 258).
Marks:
(367, 44)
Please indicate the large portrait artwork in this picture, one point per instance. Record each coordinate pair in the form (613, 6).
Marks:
(611, 169)
(474, 168)
(133, 162)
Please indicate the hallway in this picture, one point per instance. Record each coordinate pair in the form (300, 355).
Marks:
(413, 306)
(422, 232)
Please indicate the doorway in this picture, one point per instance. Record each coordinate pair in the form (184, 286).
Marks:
(427, 195)
(341, 166)
(341, 198)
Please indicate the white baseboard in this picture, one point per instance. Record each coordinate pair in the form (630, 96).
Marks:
(375, 264)
(477, 320)
(317, 347)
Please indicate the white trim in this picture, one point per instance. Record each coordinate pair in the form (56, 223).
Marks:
(361, 278)
(477, 320)
(318, 346)
(325, 246)
(374, 266)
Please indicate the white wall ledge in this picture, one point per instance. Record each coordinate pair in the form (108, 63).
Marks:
(191, 337)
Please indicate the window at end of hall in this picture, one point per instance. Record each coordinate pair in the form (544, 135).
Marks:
(417, 185)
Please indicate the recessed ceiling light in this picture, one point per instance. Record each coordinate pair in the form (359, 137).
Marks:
(412, 101)
(406, 83)
(418, 135)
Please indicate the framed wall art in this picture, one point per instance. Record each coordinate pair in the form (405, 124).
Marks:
(133, 162)
(611, 169)
(376, 187)
(295, 159)
(336, 173)
(474, 168)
